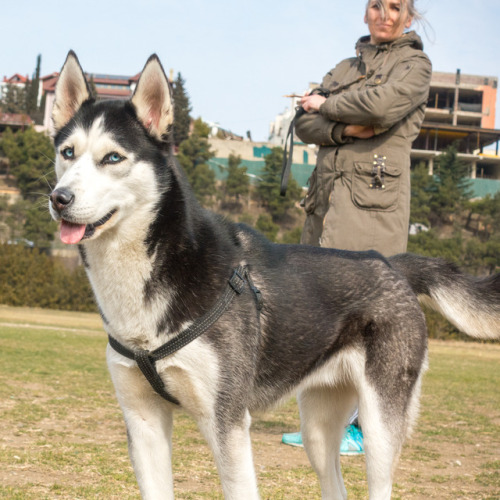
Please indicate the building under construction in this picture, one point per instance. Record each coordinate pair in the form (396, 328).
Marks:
(461, 111)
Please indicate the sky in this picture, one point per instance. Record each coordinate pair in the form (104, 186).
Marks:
(238, 58)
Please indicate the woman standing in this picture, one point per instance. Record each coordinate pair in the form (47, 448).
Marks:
(364, 117)
(365, 123)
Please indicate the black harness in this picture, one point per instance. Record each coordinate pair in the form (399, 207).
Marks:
(146, 360)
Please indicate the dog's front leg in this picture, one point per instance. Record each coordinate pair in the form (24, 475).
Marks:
(232, 450)
(149, 422)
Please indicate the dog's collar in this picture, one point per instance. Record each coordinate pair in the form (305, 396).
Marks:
(146, 360)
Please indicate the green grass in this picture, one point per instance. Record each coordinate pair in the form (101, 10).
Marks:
(62, 435)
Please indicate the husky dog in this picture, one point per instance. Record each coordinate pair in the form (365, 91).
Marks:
(263, 320)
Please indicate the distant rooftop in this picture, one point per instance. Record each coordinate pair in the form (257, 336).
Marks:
(463, 79)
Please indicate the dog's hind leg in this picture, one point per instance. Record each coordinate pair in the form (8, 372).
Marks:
(324, 412)
(382, 440)
(149, 420)
(232, 450)
(386, 422)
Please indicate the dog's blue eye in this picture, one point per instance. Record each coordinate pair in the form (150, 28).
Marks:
(68, 153)
(113, 158)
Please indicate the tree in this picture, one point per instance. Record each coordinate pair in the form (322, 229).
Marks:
(451, 187)
(31, 278)
(488, 209)
(32, 89)
(182, 110)
(421, 187)
(268, 189)
(14, 216)
(38, 227)
(14, 99)
(24, 99)
(293, 236)
(237, 182)
(30, 157)
(431, 245)
(194, 153)
(482, 255)
(483, 251)
(267, 227)
(28, 220)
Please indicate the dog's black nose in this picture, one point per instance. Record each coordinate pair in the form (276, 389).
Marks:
(61, 198)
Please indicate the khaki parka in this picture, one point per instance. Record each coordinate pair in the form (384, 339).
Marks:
(359, 192)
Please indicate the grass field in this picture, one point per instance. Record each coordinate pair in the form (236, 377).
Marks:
(62, 434)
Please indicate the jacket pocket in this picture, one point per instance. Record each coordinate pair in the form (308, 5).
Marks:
(310, 200)
(369, 195)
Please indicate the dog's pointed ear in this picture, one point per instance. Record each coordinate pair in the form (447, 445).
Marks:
(152, 99)
(71, 92)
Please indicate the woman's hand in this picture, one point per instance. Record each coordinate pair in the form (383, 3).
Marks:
(359, 131)
(312, 102)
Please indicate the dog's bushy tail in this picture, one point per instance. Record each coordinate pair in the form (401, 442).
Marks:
(471, 304)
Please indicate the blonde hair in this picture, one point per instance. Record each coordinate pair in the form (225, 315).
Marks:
(408, 10)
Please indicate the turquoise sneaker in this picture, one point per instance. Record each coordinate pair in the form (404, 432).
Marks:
(293, 439)
(352, 442)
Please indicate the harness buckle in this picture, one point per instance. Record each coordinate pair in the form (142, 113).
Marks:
(237, 281)
(147, 365)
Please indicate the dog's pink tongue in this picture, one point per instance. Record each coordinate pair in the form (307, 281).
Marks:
(71, 233)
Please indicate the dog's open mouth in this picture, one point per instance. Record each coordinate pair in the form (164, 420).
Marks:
(74, 233)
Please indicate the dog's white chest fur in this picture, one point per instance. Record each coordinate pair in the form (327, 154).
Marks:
(118, 274)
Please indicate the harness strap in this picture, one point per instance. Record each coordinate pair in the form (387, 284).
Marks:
(146, 360)
(147, 366)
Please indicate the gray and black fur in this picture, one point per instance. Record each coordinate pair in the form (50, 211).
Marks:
(340, 328)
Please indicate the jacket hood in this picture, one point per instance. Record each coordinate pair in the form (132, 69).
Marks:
(407, 39)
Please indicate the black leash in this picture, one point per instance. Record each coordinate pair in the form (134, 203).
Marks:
(146, 360)
(288, 152)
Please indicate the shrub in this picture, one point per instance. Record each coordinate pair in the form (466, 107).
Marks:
(31, 278)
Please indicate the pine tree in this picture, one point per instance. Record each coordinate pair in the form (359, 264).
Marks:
(451, 189)
(194, 153)
(182, 110)
(421, 192)
(269, 188)
(203, 184)
(237, 182)
(32, 88)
